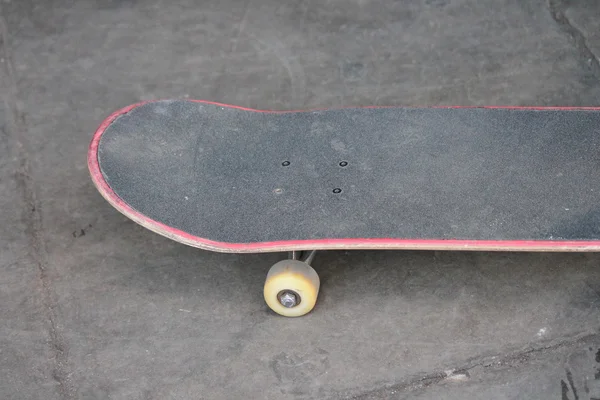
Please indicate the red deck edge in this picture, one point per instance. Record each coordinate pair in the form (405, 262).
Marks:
(322, 244)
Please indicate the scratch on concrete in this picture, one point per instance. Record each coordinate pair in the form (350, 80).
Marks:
(240, 28)
(557, 10)
(237, 33)
(17, 133)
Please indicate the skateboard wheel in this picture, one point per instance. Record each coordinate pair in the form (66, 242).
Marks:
(291, 288)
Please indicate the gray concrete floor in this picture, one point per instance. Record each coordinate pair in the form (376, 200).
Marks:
(95, 307)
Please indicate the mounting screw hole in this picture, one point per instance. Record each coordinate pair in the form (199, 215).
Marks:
(285, 163)
(337, 190)
(343, 163)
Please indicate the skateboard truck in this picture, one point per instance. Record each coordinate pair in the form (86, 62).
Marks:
(292, 285)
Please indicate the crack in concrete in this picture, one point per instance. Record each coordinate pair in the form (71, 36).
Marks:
(557, 11)
(17, 132)
(512, 359)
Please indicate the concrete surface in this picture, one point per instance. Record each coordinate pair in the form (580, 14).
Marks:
(95, 307)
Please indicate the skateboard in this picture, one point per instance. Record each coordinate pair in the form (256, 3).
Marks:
(232, 179)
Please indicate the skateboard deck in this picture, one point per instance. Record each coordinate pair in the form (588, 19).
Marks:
(232, 179)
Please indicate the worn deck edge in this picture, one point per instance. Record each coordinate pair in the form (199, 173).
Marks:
(320, 244)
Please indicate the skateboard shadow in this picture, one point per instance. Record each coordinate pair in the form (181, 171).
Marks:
(397, 285)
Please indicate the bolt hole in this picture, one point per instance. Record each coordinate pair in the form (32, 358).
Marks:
(337, 190)
(343, 163)
(285, 163)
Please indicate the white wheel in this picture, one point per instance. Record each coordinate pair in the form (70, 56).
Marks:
(291, 288)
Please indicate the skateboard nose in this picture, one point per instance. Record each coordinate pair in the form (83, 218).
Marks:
(288, 299)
